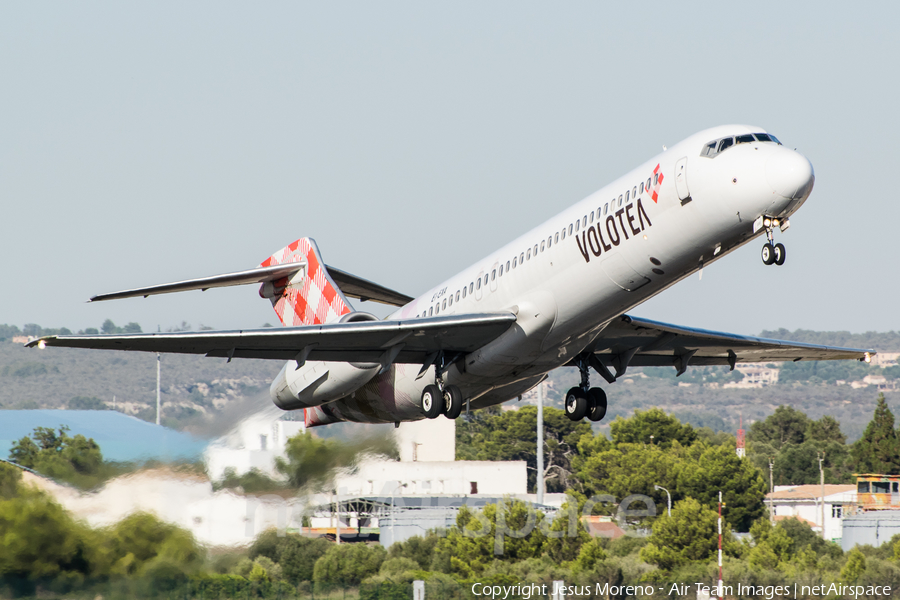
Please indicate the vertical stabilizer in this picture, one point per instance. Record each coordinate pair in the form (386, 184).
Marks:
(310, 297)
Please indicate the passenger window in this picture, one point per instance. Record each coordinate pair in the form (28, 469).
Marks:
(457, 294)
(501, 270)
(549, 241)
(450, 300)
(535, 249)
(627, 196)
(592, 216)
(471, 285)
(725, 143)
(642, 187)
(564, 233)
(605, 208)
(507, 266)
(528, 255)
(655, 178)
(584, 221)
(464, 292)
(444, 305)
(570, 229)
(493, 275)
(542, 245)
(745, 139)
(521, 258)
(556, 237)
(620, 199)
(634, 192)
(577, 225)
(515, 259)
(648, 183)
(485, 278)
(430, 310)
(478, 284)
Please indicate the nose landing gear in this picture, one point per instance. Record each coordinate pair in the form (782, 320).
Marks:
(584, 401)
(772, 253)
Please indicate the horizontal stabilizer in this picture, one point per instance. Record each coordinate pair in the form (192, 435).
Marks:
(351, 285)
(258, 275)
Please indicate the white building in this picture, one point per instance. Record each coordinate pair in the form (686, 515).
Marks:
(885, 359)
(804, 502)
(756, 375)
(254, 443)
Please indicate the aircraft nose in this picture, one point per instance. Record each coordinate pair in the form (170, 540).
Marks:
(790, 173)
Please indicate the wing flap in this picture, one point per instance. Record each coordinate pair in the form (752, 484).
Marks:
(364, 341)
(655, 344)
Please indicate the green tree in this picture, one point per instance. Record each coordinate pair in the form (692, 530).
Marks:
(663, 428)
(39, 541)
(878, 450)
(312, 462)
(509, 532)
(826, 429)
(854, 567)
(719, 468)
(688, 536)
(786, 425)
(140, 543)
(348, 564)
(419, 549)
(295, 554)
(76, 460)
(512, 435)
(626, 469)
(10, 477)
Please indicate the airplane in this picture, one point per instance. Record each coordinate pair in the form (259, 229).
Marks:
(556, 296)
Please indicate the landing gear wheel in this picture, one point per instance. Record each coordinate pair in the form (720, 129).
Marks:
(432, 401)
(576, 404)
(780, 254)
(598, 404)
(453, 401)
(768, 254)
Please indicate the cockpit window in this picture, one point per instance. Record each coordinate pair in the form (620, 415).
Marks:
(713, 148)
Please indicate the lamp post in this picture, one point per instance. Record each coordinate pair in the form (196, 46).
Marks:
(668, 497)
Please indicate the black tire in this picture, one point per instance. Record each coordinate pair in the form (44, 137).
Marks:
(768, 254)
(432, 401)
(453, 401)
(780, 254)
(598, 404)
(576, 404)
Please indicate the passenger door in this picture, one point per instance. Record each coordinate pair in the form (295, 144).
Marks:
(681, 185)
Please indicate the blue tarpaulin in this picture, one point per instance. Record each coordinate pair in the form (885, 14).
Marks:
(120, 437)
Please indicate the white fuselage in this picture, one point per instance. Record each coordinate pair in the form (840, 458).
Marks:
(569, 276)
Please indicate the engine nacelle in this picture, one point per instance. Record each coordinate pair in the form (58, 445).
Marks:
(318, 382)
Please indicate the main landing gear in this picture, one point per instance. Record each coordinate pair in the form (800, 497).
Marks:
(584, 401)
(772, 253)
(440, 399)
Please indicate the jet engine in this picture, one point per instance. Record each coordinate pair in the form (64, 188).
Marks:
(317, 382)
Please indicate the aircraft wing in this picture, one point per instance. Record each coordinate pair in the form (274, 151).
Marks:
(413, 341)
(632, 341)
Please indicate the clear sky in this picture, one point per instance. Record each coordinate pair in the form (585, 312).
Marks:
(142, 143)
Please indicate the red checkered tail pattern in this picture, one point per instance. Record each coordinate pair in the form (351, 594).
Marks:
(310, 297)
